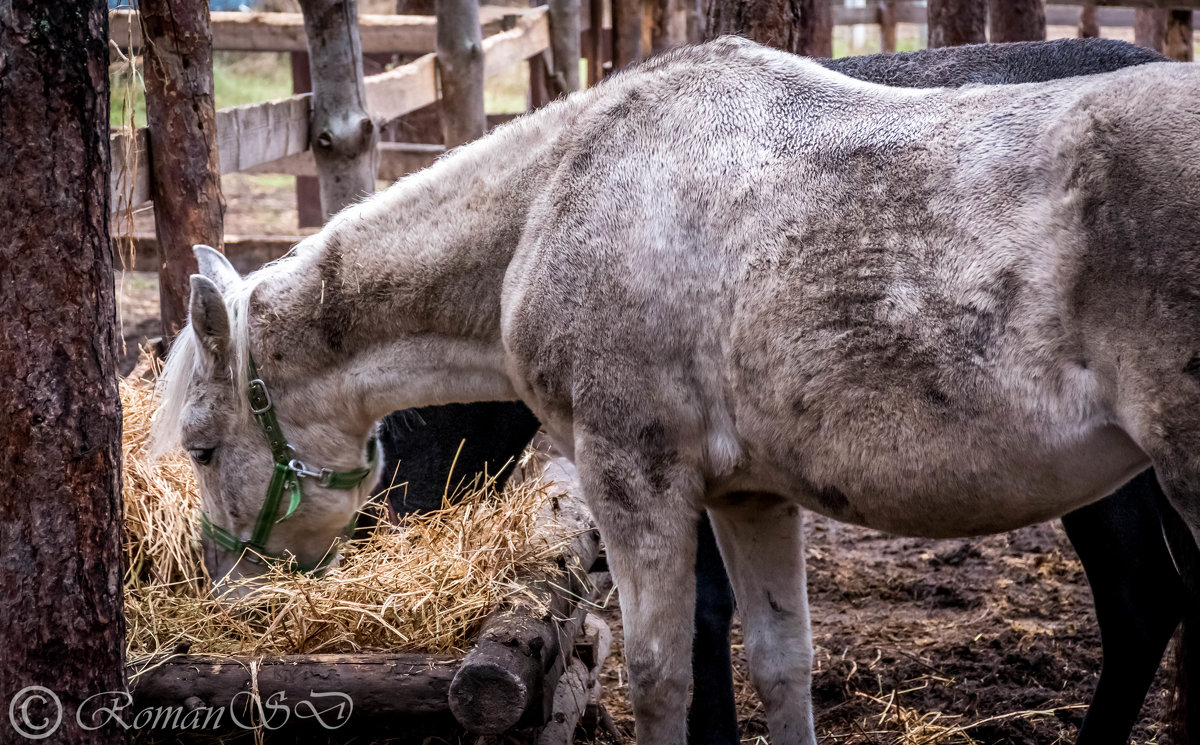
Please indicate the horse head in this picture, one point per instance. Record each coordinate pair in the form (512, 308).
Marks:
(281, 471)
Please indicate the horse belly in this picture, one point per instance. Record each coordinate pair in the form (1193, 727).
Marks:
(1004, 492)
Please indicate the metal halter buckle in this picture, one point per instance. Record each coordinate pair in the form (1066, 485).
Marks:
(298, 467)
(260, 386)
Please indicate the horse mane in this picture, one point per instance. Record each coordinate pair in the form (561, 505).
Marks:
(184, 362)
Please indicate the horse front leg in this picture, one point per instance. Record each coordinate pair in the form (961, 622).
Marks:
(762, 539)
(645, 506)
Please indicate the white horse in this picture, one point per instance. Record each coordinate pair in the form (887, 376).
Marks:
(729, 279)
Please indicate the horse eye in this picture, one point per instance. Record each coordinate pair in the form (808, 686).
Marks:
(371, 443)
(202, 456)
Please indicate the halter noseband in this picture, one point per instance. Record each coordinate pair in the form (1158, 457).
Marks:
(286, 477)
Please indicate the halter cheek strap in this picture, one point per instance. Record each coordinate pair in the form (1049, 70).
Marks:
(285, 479)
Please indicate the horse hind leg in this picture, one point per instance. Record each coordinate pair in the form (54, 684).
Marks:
(645, 505)
(762, 540)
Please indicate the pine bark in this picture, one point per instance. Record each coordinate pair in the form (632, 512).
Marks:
(1017, 20)
(61, 623)
(953, 23)
(797, 26)
(188, 207)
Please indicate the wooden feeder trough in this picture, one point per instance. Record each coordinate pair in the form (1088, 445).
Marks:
(531, 674)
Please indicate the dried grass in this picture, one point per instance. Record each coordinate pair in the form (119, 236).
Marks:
(421, 586)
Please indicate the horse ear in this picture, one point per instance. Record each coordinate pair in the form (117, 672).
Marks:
(210, 321)
(216, 267)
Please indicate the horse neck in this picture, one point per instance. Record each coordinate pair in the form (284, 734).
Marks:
(396, 303)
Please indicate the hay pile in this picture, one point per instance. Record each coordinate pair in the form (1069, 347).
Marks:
(423, 586)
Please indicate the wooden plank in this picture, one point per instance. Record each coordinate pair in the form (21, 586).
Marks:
(130, 178)
(284, 32)
(263, 132)
(403, 89)
(530, 36)
(1069, 15)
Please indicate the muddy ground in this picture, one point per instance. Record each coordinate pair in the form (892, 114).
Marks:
(989, 640)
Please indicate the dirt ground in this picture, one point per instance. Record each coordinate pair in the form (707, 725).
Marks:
(989, 640)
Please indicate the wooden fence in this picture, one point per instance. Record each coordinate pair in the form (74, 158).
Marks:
(254, 135)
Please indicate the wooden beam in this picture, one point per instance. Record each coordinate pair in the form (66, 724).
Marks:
(284, 32)
(403, 89)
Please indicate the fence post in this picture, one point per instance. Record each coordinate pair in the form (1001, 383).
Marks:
(595, 41)
(956, 22)
(1089, 26)
(564, 45)
(184, 161)
(460, 67)
(342, 135)
(1179, 36)
(626, 32)
(887, 26)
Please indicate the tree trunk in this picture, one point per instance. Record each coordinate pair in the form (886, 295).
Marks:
(1179, 44)
(1150, 28)
(188, 207)
(61, 617)
(953, 23)
(1017, 20)
(797, 26)
(460, 64)
(1089, 26)
(343, 137)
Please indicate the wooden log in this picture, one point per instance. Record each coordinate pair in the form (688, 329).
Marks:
(564, 46)
(460, 64)
(342, 136)
(1016, 20)
(956, 22)
(377, 685)
(520, 652)
(570, 700)
(181, 119)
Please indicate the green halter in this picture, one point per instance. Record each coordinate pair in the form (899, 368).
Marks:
(286, 478)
